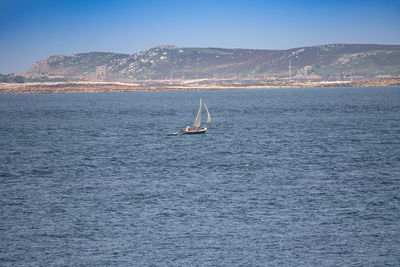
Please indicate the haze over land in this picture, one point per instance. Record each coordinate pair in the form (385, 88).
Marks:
(171, 68)
(324, 62)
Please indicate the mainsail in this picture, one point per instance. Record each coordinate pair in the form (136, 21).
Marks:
(197, 121)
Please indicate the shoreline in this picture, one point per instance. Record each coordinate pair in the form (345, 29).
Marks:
(103, 87)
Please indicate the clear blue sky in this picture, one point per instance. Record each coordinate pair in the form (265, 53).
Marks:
(34, 29)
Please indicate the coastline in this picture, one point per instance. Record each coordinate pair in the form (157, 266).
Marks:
(158, 86)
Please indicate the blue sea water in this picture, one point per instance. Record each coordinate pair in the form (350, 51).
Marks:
(283, 177)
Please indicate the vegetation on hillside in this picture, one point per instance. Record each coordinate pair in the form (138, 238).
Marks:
(169, 62)
(11, 78)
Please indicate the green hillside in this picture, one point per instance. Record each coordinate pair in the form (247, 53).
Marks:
(170, 62)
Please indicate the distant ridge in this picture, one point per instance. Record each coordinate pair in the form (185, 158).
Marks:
(168, 62)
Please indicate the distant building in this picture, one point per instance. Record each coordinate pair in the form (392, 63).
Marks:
(101, 73)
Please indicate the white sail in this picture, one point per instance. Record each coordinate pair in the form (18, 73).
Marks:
(197, 121)
(208, 114)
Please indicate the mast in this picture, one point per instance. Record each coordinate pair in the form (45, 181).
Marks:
(197, 121)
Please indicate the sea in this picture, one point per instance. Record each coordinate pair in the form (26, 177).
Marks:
(283, 177)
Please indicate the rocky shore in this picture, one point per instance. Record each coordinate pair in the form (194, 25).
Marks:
(155, 86)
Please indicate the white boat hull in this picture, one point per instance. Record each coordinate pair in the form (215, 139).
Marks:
(195, 131)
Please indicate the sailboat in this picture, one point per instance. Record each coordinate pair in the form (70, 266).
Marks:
(197, 128)
(197, 122)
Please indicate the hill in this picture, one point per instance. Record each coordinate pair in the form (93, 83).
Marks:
(324, 62)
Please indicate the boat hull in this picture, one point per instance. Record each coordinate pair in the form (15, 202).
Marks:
(195, 131)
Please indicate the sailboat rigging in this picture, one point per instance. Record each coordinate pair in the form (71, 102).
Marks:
(197, 128)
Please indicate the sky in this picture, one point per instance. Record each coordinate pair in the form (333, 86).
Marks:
(32, 30)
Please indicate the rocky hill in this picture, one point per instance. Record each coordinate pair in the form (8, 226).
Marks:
(336, 61)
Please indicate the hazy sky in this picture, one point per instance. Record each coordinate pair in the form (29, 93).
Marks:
(34, 29)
